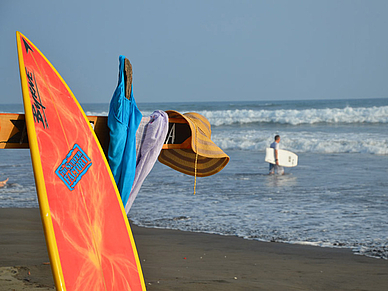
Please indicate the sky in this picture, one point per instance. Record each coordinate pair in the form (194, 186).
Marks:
(204, 50)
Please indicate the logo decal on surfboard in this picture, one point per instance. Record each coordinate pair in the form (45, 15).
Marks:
(37, 107)
(27, 46)
(73, 167)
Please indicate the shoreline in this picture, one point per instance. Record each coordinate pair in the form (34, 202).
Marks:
(177, 260)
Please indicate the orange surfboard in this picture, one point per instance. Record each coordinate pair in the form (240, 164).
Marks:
(89, 240)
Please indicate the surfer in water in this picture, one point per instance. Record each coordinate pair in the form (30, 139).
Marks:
(2, 183)
(276, 168)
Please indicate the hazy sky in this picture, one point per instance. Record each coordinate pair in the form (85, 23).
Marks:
(204, 50)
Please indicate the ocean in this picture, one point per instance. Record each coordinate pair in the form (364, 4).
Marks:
(336, 197)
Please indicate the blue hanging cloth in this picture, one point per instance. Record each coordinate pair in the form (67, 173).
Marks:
(123, 121)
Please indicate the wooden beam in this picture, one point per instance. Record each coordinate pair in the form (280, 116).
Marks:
(13, 132)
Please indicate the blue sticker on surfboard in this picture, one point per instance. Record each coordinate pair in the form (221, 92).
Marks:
(73, 167)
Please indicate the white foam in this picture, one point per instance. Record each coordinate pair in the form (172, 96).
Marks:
(296, 117)
(298, 141)
(345, 115)
(304, 142)
(95, 113)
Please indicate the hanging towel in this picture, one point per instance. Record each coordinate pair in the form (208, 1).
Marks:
(123, 120)
(140, 134)
(154, 135)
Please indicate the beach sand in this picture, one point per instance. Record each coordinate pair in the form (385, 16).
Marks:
(175, 260)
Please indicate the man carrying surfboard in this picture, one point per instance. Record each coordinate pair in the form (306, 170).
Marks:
(276, 167)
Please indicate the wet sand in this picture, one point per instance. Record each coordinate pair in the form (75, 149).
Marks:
(176, 260)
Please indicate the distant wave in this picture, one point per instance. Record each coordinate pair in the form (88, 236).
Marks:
(296, 117)
(304, 142)
(94, 113)
(299, 142)
(345, 115)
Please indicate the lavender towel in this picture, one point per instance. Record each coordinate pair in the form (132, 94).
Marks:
(154, 135)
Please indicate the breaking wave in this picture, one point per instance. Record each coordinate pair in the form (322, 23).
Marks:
(345, 115)
(305, 142)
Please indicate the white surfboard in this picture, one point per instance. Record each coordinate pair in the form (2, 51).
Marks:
(286, 158)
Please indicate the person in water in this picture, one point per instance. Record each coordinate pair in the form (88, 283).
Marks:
(275, 167)
(2, 183)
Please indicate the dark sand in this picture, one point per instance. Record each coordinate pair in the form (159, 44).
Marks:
(175, 260)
